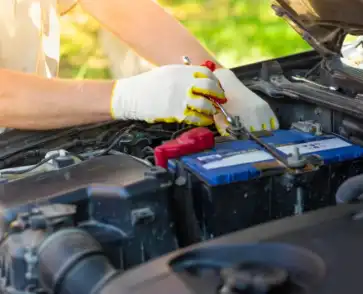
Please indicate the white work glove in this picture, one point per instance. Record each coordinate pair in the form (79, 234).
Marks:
(252, 110)
(172, 93)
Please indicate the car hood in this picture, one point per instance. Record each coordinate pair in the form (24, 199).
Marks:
(323, 23)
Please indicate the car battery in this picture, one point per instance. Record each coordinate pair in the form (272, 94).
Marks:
(238, 183)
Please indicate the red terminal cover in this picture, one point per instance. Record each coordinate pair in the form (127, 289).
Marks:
(193, 141)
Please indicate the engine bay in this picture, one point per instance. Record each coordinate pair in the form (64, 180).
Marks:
(92, 201)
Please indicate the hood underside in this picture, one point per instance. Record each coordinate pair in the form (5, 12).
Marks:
(323, 23)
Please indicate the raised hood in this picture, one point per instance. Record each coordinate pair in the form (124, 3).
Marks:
(323, 23)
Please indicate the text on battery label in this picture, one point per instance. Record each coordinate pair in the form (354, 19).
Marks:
(243, 158)
(316, 146)
(211, 157)
(215, 161)
(223, 154)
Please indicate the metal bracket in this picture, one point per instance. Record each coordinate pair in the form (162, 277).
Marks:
(308, 126)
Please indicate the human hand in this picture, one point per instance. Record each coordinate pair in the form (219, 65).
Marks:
(172, 93)
(253, 111)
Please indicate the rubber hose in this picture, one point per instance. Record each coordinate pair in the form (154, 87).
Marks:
(350, 190)
(71, 261)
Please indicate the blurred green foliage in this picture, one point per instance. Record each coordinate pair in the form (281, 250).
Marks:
(236, 31)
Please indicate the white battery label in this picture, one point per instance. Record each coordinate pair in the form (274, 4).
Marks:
(216, 161)
(243, 158)
(315, 146)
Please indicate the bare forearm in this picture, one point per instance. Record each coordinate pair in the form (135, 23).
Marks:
(31, 102)
(148, 29)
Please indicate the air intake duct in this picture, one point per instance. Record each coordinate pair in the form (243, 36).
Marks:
(71, 261)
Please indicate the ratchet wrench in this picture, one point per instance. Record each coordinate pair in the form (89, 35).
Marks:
(229, 118)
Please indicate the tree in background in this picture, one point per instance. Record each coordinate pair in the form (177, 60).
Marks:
(237, 31)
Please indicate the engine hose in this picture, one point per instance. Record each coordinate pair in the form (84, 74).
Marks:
(350, 190)
(72, 262)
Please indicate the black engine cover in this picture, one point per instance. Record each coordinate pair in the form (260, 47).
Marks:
(119, 200)
(318, 253)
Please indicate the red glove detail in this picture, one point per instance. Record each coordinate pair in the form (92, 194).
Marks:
(212, 67)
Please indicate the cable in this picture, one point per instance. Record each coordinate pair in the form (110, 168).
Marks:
(115, 139)
(150, 159)
(118, 137)
(148, 149)
(314, 68)
(78, 156)
(21, 156)
(40, 163)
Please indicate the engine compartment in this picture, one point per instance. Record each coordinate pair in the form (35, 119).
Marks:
(90, 202)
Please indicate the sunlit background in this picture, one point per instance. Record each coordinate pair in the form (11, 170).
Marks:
(237, 31)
